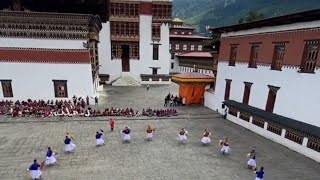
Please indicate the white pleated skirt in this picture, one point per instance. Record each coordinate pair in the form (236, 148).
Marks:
(182, 138)
(149, 135)
(35, 174)
(252, 162)
(258, 178)
(205, 140)
(99, 142)
(70, 147)
(126, 137)
(51, 160)
(225, 149)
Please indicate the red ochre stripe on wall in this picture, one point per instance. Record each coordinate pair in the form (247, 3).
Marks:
(45, 56)
(146, 8)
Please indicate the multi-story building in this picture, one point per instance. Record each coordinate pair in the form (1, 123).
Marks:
(48, 55)
(268, 78)
(186, 49)
(135, 39)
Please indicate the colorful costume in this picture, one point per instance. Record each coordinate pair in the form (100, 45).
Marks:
(183, 136)
(126, 135)
(99, 139)
(206, 137)
(50, 157)
(69, 146)
(34, 171)
(149, 133)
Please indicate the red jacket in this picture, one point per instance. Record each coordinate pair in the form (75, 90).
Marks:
(112, 123)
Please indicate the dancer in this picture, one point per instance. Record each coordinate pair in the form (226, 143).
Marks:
(225, 147)
(99, 138)
(259, 174)
(34, 171)
(112, 124)
(150, 133)
(69, 136)
(252, 164)
(126, 135)
(206, 137)
(69, 146)
(183, 136)
(51, 159)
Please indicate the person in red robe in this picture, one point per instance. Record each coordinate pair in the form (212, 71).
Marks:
(112, 122)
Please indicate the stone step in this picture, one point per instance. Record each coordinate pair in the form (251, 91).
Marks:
(126, 81)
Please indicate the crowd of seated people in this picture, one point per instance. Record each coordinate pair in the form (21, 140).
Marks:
(159, 112)
(41, 108)
(128, 112)
(171, 100)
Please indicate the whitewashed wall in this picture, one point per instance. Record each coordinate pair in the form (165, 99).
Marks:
(104, 48)
(34, 80)
(297, 98)
(176, 68)
(42, 43)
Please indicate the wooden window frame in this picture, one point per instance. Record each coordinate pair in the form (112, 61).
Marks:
(177, 47)
(155, 50)
(310, 56)
(185, 47)
(233, 55)
(227, 89)
(199, 47)
(7, 88)
(56, 84)
(278, 56)
(254, 55)
(272, 97)
(192, 47)
(246, 93)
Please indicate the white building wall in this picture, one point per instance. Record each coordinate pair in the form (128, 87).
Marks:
(176, 67)
(104, 47)
(34, 80)
(298, 96)
(42, 43)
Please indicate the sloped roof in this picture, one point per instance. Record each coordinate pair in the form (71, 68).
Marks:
(30, 55)
(188, 36)
(196, 54)
(177, 20)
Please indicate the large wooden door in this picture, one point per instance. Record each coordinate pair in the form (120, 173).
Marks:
(125, 58)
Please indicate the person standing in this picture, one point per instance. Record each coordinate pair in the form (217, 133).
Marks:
(112, 123)
(183, 136)
(50, 157)
(126, 135)
(149, 133)
(252, 164)
(34, 170)
(225, 150)
(69, 146)
(88, 102)
(259, 174)
(148, 87)
(96, 100)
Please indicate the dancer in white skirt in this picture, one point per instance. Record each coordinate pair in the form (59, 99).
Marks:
(252, 164)
(183, 136)
(68, 145)
(34, 171)
(51, 159)
(149, 132)
(99, 138)
(126, 135)
(259, 174)
(206, 137)
(225, 150)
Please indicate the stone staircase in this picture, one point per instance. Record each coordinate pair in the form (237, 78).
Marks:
(126, 80)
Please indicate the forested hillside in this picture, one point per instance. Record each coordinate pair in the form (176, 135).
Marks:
(215, 13)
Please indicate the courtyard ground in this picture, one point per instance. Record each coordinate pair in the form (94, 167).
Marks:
(22, 140)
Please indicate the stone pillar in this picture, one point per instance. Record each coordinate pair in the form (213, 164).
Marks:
(305, 142)
(283, 133)
(265, 125)
(238, 114)
(250, 120)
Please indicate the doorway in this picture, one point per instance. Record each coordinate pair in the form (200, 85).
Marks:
(125, 58)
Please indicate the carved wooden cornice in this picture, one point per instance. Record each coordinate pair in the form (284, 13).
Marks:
(124, 38)
(274, 89)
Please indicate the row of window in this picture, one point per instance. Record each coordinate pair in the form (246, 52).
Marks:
(308, 61)
(183, 33)
(60, 88)
(246, 95)
(185, 47)
(132, 51)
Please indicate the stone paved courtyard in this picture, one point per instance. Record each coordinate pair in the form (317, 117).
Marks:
(22, 140)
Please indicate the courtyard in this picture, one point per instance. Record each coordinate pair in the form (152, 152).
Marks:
(22, 140)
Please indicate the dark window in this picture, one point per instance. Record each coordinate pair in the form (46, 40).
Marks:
(154, 71)
(6, 88)
(254, 55)
(233, 55)
(310, 56)
(246, 94)
(278, 55)
(271, 98)
(60, 88)
(156, 52)
(172, 55)
(172, 65)
(227, 89)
